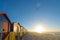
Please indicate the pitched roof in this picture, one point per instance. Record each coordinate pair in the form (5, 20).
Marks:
(3, 13)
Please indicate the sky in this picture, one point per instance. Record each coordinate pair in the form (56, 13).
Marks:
(33, 12)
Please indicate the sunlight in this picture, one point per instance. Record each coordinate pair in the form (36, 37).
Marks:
(39, 29)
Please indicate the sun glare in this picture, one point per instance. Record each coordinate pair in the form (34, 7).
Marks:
(39, 29)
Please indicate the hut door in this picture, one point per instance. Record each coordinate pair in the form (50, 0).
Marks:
(5, 30)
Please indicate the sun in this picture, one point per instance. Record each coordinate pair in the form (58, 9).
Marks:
(39, 29)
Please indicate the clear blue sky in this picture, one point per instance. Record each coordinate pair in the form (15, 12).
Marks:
(31, 12)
